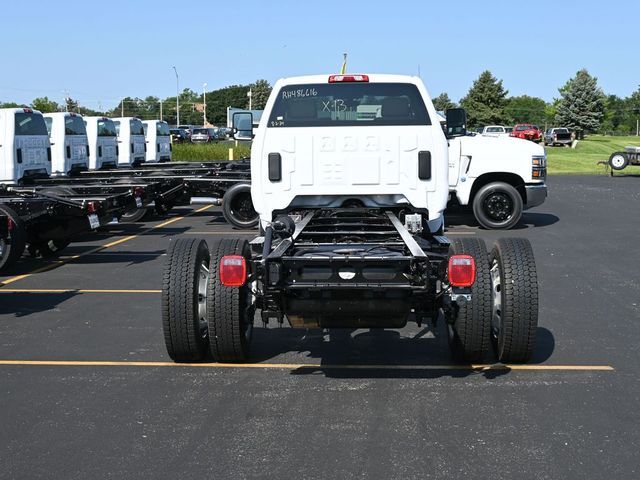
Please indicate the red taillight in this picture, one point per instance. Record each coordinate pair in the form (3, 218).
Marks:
(138, 192)
(27, 110)
(10, 224)
(348, 78)
(93, 206)
(233, 270)
(462, 270)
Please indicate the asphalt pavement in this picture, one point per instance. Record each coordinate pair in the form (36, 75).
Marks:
(88, 391)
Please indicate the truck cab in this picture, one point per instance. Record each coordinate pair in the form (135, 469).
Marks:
(132, 146)
(158, 138)
(25, 150)
(69, 143)
(331, 141)
(103, 142)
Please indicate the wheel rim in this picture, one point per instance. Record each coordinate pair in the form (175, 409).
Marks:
(203, 283)
(496, 299)
(498, 206)
(242, 207)
(617, 161)
(3, 247)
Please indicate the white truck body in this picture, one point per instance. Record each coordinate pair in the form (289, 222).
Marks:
(339, 140)
(131, 141)
(158, 138)
(69, 143)
(103, 142)
(25, 149)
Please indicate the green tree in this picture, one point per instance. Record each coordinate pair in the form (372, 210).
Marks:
(11, 105)
(45, 105)
(526, 109)
(581, 105)
(485, 102)
(615, 114)
(260, 91)
(219, 100)
(442, 102)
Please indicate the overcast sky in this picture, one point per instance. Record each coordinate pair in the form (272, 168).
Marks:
(100, 54)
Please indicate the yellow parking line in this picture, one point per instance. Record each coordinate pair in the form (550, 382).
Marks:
(59, 263)
(317, 366)
(73, 290)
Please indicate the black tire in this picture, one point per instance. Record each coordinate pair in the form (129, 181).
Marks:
(184, 295)
(49, 249)
(497, 206)
(12, 247)
(134, 215)
(230, 310)
(514, 300)
(618, 161)
(469, 334)
(237, 206)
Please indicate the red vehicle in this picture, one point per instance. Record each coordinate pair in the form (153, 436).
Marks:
(527, 131)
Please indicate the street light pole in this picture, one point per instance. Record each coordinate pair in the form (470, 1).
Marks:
(249, 95)
(177, 97)
(204, 110)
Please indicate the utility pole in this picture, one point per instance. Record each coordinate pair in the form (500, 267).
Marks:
(177, 97)
(66, 100)
(122, 108)
(204, 110)
(160, 110)
(249, 95)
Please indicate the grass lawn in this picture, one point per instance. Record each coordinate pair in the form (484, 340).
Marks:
(560, 160)
(585, 157)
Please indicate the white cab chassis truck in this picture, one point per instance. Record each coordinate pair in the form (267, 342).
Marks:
(498, 177)
(25, 151)
(69, 143)
(103, 143)
(350, 179)
(132, 144)
(158, 139)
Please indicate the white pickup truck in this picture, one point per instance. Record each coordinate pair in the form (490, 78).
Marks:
(350, 179)
(497, 176)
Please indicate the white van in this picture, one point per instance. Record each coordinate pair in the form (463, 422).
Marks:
(158, 141)
(132, 144)
(69, 144)
(103, 142)
(25, 150)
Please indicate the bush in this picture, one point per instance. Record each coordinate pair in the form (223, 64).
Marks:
(198, 152)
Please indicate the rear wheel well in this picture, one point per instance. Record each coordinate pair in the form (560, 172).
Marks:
(511, 178)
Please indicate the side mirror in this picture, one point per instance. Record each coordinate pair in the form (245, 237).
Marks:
(456, 122)
(242, 123)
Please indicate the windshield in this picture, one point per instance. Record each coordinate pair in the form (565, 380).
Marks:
(162, 129)
(520, 128)
(106, 128)
(561, 130)
(348, 104)
(494, 129)
(136, 127)
(74, 126)
(200, 131)
(30, 124)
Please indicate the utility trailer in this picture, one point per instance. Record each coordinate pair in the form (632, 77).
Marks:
(621, 160)
(45, 220)
(351, 209)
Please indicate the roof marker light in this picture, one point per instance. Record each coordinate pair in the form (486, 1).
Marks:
(348, 78)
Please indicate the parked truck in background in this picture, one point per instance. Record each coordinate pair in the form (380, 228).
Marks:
(557, 136)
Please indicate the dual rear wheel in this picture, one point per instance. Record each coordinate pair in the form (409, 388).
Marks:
(503, 310)
(202, 318)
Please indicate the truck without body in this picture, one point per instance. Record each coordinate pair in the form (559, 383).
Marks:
(131, 141)
(350, 180)
(103, 142)
(69, 143)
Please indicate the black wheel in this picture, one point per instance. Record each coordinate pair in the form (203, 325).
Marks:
(469, 334)
(12, 247)
(230, 309)
(514, 282)
(48, 249)
(184, 300)
(237, 206)
(497, 206)
(618, 161)
(134, 215)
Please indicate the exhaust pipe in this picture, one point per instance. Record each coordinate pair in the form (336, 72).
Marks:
(206, 201)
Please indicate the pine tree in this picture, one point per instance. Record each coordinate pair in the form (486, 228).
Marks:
(442, 102)
(581, 106)
(260, 91)
(485, 102)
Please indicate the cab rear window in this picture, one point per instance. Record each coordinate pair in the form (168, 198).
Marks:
(74, 126)
(106, 128)
(162, 129)
(30, 124)
(136, 127)
(348, 104)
